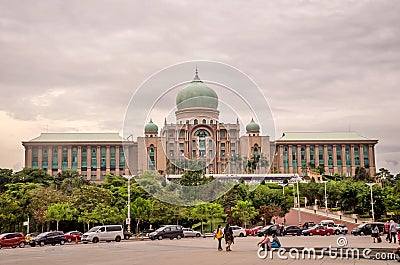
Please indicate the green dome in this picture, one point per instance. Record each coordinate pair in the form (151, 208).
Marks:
(253, 127)
(197, 95)
(151, 127)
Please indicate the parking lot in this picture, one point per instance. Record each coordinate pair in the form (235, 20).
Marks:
(185, 251)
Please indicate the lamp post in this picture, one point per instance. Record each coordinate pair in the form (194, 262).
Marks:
(128, 219)
(298, 199)
(372, 201)
(283, 185)
(326, 198)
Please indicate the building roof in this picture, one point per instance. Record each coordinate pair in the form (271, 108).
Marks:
(77, 137)
(322, 136)
(253, 126)
(197, 95)
(151, 127)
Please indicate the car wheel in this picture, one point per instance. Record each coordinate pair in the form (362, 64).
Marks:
(159, 237)
(361, 233)
(85, 242)
(21, 244)
(152, 238)
(42, 243)
(118, 239)
(62, 242)
(241, 235)
(197, 235)
(126, 237)
(95, 240)
(14, 246)
(1, 246)
(328, 233)
(171, 238)
(69, 240)
(310, 234)
(337, 232)
(178, 237)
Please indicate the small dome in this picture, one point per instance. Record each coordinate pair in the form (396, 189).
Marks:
(253, 127)
(151, 127)
(197, 95)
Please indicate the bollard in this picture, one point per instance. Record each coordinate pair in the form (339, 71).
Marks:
(76, 239)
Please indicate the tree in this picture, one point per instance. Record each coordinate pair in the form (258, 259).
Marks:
(267, 212)
(59, 212)
(141, 210)
(244, 211)
(361, 175)
(201, 211)
(215, 211)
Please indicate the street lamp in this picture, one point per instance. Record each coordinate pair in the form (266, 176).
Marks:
(128, 219)
(372, 201)
(283, 185)
(326, 198)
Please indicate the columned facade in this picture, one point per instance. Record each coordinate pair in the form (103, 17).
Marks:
(338, 153)
(93, 155)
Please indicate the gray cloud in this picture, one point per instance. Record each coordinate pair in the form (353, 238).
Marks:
(323, 65)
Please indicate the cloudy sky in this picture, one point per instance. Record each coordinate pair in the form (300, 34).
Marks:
(323, 65)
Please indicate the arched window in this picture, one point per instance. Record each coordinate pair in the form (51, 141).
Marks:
(195, 122)
(151, 158)
(255, 149)
(204, 121)
(211, 121)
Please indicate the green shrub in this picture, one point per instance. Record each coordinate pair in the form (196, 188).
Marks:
(364, 216)
(335, 209)
(348, 212)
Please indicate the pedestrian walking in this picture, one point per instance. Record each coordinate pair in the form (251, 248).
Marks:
(375, 234)
(386, 230)
(219, 235)
(393, 231)
(345, 230)
(229, 239)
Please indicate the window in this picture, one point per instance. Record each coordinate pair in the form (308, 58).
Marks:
(312, 155)
(348, 161)
(194, 154)
(194, 143)
(366, 160)
(204, 121)
(330, 157)
(294, 157)
(152, 163)
(45, 159)
(255, 150)
(222, 153)
(112, 158)
(233, 145)
(103, 158)
(223, 167)
(181, 145)
(171, 146)
(211, 121)
(232, 133)
(321, 156)
(181, 153)
(94, 159)
(64, 158)
(195, 122)
(54, 160)
(35, 157)
(74, 158)
(303, 155)
(357, 156)
(339, 157)
(222, 144)
(222, 133)
(285, 157)
(84, 159)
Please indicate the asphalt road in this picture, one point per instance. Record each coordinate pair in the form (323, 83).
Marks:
(191, 251)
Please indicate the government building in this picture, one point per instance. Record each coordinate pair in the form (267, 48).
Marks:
(199, 140)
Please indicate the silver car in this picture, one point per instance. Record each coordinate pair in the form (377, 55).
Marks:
(187, 232)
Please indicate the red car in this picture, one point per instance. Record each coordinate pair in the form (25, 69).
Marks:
(318, 230)
(12, 240)
(253, 231)
(73, 235)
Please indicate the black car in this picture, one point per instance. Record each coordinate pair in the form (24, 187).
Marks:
(167, 231)
(53, 238)
(366, 228)
(127, 235)
(292, 230)
(269, 229)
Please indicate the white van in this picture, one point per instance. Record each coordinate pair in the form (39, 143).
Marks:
(103, 233)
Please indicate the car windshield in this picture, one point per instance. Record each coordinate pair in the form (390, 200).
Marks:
(160, 229)
(94, 229)
(43, 234)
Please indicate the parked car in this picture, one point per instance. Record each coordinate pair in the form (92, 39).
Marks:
(103, 233)
(12, 240)
(253, 231)
(307, 225)
(72, 236)
(167, 231)
(292, 230)
(328, 223)
(29, 236)
(269, 229)
(127, 235)
(318, 230)
(238, 231)
(338, 228)
(366, 228)
(53, 238)
(187, 232)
